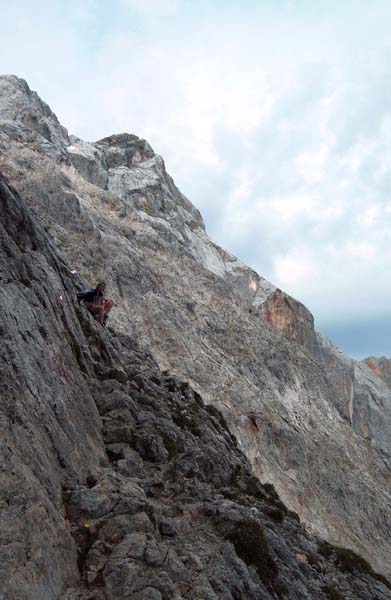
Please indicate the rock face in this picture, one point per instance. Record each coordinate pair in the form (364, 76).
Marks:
(311, 421)
(19, 104)
(50, 427)
(381, 367)
(117, 481)
(292, 319)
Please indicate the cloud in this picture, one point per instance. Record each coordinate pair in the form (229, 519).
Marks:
(150, 8)
(295, 268)
(357, 335)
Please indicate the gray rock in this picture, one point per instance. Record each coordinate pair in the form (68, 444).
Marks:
(381, 367)
(18, 103)
(167, 527)
(87, 159)
(147, 594)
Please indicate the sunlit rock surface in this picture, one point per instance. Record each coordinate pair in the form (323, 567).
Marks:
(292, 319)
(311, 421)
(381, 367)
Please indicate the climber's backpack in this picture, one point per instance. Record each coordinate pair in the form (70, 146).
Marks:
(87, 295)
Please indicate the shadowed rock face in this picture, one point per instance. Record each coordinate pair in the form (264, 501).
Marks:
(117, 481)
(50, 427)
(310, 420)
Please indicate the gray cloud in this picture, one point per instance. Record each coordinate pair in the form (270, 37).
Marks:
(355, 336)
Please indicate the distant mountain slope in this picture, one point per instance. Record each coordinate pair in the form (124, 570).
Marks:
(311, 420)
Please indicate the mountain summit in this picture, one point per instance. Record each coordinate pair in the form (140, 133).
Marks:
(120, 444)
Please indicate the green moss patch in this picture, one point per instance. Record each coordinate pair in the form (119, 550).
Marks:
(251, 546)
(349, 561)
(255, 488)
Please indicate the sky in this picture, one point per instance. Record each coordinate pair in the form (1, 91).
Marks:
(273, 117)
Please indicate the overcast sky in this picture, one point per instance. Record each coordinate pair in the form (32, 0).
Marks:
(273, 117)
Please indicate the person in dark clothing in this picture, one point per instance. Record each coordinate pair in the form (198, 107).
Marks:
(94, 300)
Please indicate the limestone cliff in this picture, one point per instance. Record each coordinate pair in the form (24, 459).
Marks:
(292, 319)
(117, 481)
(381, 367)
(310, 420)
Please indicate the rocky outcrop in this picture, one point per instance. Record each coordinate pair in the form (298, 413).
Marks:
(370, 415)
(381, 367)
(117, 481)
(19, 104)
(115, 213)
(292, 319)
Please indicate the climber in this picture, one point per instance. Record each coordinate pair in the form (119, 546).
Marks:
(93, 299)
